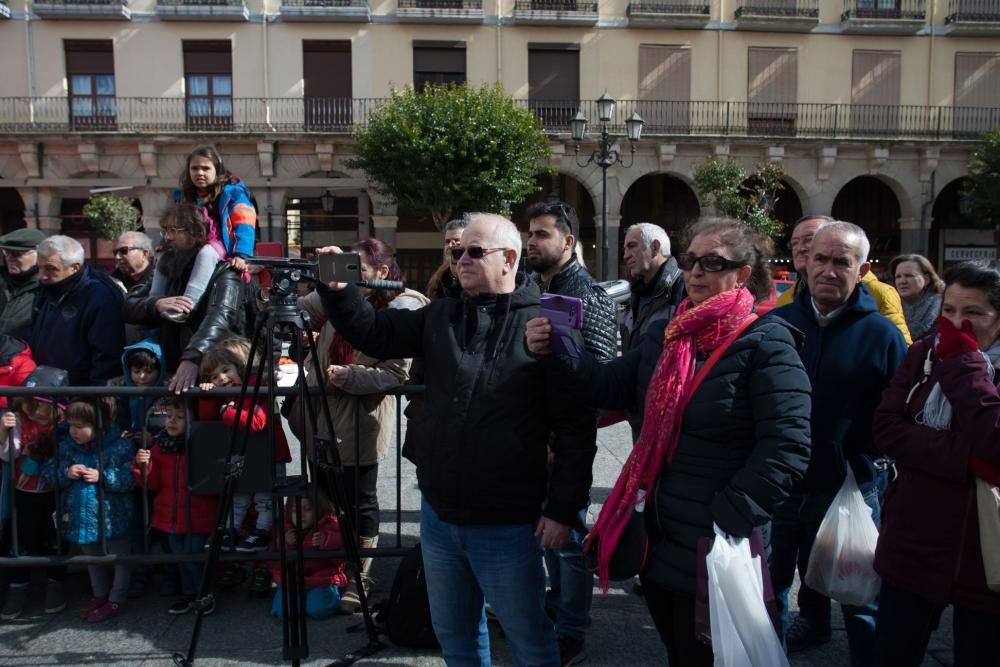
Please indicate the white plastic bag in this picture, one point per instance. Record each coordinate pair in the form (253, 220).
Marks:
(842, 561)
(742, 634)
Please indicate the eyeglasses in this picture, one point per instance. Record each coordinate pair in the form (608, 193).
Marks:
(709, 263)
(475, 252)
(124, 250)
(803, 241)
(10, 252)
(172, 230)
(564, 212)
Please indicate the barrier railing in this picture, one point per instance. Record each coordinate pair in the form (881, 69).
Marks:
(392, 546)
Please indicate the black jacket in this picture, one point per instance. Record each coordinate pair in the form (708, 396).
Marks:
(600, 318)
(489, 410)
(221, 313)
(79, 328)
(17, 294)
(663, 296)
(744, 441)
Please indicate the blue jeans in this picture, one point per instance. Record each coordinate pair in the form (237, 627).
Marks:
(467, 565)
(793, 531)
(190, 572)
(571, 584)
(320, 602)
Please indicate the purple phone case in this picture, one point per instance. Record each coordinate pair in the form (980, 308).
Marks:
(565, 314)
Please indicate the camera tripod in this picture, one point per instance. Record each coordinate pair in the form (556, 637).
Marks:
(284, 319)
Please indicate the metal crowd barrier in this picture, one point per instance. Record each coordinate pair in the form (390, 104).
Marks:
(95, 394)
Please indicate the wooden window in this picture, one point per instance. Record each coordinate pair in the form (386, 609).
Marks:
(665, 87)
(208, 78)
(977, 92)
(554, 82)
(438, 62)
(90, 73)
(772, 90)
(327, 89)
(875, 90)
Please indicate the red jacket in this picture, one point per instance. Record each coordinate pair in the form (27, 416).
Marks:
(15, 364)
(320, 573)
(167, 474)
(214, 409)
(929, 540)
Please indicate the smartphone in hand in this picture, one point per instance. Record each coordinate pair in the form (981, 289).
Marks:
(565, 315)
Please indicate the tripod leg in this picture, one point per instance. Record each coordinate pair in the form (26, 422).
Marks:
(234, 464)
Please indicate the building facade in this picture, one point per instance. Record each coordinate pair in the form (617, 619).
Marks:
(872, 106)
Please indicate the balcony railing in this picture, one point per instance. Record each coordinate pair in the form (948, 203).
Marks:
(82, 9)
(779, 8)
(4, 10)
(907, 10)
(973, 17)
(440, 11)
(324, 10)
(555, 12)
(670, 13)
(701, 119)
(208, 10)
(471, 5)
(555, 6)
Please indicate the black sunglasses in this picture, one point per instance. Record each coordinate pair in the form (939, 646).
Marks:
(709, 263)
(124, 250)
(475, 252)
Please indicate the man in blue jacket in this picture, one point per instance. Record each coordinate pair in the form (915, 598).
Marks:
(850, 353)
(77, 322)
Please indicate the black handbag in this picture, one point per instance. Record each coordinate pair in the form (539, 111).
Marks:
(632, 550)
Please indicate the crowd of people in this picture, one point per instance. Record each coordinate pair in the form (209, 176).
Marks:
(744, 425)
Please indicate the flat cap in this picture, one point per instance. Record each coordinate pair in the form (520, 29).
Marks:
(22, 239)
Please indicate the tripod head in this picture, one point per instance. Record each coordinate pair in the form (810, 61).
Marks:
(287, 272)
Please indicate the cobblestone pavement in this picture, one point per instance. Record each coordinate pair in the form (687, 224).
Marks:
(241, 632)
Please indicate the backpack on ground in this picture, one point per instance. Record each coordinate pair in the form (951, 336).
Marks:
(406, 615)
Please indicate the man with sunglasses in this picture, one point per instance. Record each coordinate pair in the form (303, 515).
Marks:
(134, 260)
(492, 411)
(18, 280)
(553, 230)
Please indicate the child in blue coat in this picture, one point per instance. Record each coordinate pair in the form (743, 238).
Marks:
(96, 475)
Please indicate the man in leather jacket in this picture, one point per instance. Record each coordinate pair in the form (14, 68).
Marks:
(553, 231)
(219, 314)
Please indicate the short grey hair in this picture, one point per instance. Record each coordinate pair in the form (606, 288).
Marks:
(823, 219)
(855, 235)
(137, 240)
(649, 232)
(505, 233)
(68, 250)
(457, 223)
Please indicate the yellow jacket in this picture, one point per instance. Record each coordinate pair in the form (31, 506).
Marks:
(886, 298)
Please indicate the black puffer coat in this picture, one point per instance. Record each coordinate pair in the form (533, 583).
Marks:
(599, 315)
(663, 296)
(490, 406)
(17, 294)
(221, 313)
(744, 441)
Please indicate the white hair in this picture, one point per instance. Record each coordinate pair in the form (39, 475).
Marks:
(851, 233)
(649, 232)
(137, 240)
(68, 250)
(504, 232)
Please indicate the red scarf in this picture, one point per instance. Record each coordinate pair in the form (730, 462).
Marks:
(693, 330)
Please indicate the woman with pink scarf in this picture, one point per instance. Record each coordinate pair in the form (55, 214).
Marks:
(724, 454)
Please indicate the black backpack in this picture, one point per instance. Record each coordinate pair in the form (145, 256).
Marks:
(406, 615)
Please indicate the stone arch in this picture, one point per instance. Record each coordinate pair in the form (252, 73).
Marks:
(873, 204)
(570, 189)
(667, 199)
(12, 209)
(951, 225)
(308, 223)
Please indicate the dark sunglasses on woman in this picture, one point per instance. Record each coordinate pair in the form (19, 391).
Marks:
(709, 263)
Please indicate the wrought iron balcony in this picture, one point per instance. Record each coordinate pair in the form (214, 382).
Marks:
(973, 17)
(75, 10)
(555, 12)
(325, 10)
(778, 15)
(440, 11)
(695, 120)
(884, 17)
(4, 10)
(670, 13)
(202, 10)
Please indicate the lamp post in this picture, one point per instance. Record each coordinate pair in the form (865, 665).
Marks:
(605, 157)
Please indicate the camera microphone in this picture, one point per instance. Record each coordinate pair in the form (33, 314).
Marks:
(396, 285)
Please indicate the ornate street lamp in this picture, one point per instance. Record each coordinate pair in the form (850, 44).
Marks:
(605, 157)
(326, 201)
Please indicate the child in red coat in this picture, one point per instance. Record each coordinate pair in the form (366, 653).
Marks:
(225, 365)
(187, 527)
(324, 578)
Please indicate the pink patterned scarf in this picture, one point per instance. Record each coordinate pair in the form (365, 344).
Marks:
(694, 329)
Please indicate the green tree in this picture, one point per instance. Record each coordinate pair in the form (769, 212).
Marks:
(452, 149)
(730, 190)
(111, 215)
(981, 192)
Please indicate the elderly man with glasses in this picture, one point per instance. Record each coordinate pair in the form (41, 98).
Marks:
(492, 410)
(18, 280)
(134, 260)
